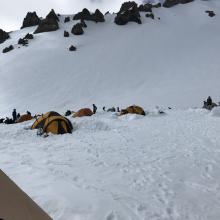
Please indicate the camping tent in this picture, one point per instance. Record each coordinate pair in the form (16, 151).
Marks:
(15, 204)
(22, 118)
(83, 112)
(53, 124)
(134, 109)
(41, 120)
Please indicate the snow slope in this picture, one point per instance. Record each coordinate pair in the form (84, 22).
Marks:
(158, 167)
(173, 61)
(121, 168)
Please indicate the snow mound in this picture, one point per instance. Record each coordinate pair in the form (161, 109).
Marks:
(215, 112)
(90, 124)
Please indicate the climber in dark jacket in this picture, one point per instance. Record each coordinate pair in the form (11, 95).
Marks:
(94, 108)
(14, 115)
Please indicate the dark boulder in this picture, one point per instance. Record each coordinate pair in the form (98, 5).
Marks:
(72, 48)
(23, 41)
(52, 15)
(83, 23)
(3, 36)
(30, 20)
(83, 15)
(145, 8)
(66, 34)
(67, 19)
(128, 12)
(86, 15)
(29, 36)
(210, 13)
(98, 16)
(185, 1)
(77, 29)
(7, 49)
(158, 5)
(47, 25)
(150, 15)
(106, 13)
(170, 3)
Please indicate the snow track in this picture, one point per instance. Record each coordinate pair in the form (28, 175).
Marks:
(161, 167)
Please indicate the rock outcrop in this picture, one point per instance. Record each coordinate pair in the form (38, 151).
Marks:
(66, 34)
(7, 49)
(52, 15)
(129, 12)
(30, 20)
(77, 29)
(3, 36)
(171, 3)
(67, 19)
(47, 25)
(86, 15)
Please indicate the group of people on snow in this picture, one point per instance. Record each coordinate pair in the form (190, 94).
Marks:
(15, 117)
(208, 104)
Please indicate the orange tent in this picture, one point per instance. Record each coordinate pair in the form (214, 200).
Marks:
(26, 117)
(83, 112)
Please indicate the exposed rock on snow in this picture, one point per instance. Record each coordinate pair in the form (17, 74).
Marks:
(128, 12)
(86, 15)
(98, 16)
(158, 5)
(145, 8)
(47, 25)
(8, 49)
(3, 36)
(67, 19)
(150, 15)
(23, 41)
(171, 3)
(210, 13)
(66, 34)
(83, 23)
(77, 29)
(30, 20)
(72, 48)
(52, 15)
(29, 36)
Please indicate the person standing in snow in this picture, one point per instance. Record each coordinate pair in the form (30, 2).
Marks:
(94, 108)
(18, 115)
(14, 115)
(209, 101)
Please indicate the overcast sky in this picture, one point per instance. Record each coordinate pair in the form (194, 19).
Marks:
(13, 12)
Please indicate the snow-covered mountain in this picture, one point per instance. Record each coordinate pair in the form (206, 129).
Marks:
(171, 61)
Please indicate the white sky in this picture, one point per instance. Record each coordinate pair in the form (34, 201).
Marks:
(12, 12)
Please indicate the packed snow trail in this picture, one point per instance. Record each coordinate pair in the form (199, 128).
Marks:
(131, 167)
